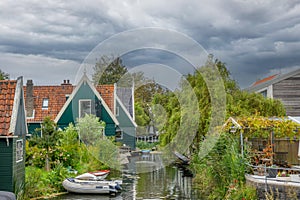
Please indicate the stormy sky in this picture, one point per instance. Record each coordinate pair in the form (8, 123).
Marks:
(47, 41)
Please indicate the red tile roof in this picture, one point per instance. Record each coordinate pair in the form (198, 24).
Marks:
(107, 94)
(57, 96)
(264, 80)
(7, 94)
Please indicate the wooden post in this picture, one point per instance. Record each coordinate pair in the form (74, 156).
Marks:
(272, 146)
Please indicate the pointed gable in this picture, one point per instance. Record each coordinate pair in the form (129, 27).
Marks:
(56, 96)
(85, 91)
(12, 111)
(7, 95)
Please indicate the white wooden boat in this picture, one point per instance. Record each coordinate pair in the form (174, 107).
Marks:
(91, 186)
(97, 175)
(101, 174)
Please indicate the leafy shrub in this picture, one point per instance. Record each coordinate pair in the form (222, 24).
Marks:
(34, 184)
(56, 176)
(221, 174)
(145, 145)
(64, 152)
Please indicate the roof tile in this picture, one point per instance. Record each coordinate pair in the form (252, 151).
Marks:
(7, 94)
(57, 98)
(264, 80)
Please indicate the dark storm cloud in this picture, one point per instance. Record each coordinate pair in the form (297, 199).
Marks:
(254, 38)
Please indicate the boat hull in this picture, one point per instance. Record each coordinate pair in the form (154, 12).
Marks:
(101, 175)
(91, 187)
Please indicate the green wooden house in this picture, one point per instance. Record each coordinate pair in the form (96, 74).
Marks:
(127, 134)
(66, 103)
(85, 99)
(13, 130)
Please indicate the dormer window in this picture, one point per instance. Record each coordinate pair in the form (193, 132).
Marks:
(85, 107)
(45, 103)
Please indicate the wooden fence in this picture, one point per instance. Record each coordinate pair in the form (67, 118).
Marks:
(285, 150)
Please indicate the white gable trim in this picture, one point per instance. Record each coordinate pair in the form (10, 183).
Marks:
(133, 108)
(85, 80)
(17, 98)
(232, 120)
(115, 101)
(126, 111)
(103, 103)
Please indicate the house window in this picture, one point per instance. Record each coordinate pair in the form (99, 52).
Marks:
(117, 111)
(45, 103)
(264, 93)
(19, 150)
(119, 135)
(85, 107)
(67, 97)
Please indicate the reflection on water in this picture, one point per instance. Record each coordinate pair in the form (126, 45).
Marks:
(146, 178)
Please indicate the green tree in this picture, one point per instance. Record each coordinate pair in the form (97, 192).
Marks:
(48, 140)
(3, 75)
(91, 133)
(108, 70)
(144, 95)
(90, 129)
(242, 103)
(238, 103)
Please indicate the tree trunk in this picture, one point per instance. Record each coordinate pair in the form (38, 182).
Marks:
(47, 165)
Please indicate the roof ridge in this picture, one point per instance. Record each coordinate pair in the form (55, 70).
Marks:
(265, 79)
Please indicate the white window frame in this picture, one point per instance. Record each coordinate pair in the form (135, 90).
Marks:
(19, 151)
(121, 137)
(84, 100)
(264, 93)
(45, 104)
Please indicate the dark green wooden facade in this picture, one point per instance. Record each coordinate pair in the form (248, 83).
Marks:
(71, 112)
(12, 172)
(127, 127)
(12, 146)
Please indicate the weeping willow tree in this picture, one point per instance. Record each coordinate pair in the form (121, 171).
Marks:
(220, 172)
(238, 103)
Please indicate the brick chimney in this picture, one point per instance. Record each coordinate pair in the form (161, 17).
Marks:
(29, 104)
(66, 82)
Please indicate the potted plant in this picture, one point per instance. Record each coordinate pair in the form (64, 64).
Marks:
(284, 176)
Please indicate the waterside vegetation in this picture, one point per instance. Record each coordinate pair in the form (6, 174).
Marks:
(55, 155)
(220, 173)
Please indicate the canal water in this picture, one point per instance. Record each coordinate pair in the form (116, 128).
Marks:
(146, 178)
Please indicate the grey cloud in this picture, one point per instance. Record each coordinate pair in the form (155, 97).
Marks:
(254, 38)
